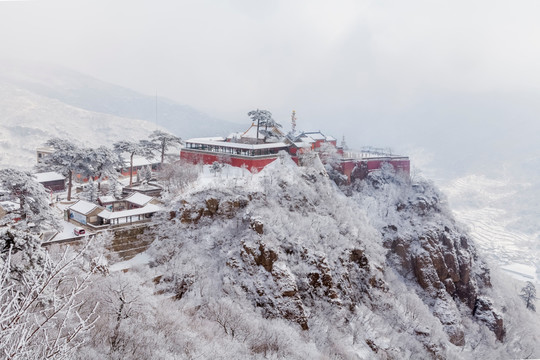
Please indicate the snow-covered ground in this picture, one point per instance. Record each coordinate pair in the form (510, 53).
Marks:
(67, 232)
(485, 205)
(139, 259)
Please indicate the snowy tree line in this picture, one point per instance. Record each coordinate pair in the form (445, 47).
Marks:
(101, 163)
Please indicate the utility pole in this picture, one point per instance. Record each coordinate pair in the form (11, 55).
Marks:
(293, 121)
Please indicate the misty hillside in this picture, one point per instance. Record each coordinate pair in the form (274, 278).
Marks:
(38, 102)
(29, 120)
(88, 93)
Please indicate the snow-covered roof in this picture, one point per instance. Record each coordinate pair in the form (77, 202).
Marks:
(83, 207)
(212, 142)
(316, 135)
(147, 209)
(251, 133)
(48, 176)
(141, 161)
(210, 138)
(45, 149)
(311, 136)
(306, 139)
(138, 199)
(371, 155)
(301, 144)
(107, 199)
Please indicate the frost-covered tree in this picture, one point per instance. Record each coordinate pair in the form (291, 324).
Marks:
(332, 163)
(528, 294)
(263, 118)
(67, 159)
(143, 148)
(42, 313)
(164, 141)
(216, 168)
(90, 191)
(177, 176)
(32, 196)
(22, 250)
(104, 163)
(145, 174)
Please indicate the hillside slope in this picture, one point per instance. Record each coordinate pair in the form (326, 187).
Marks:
(29, 120)
(382, 273)
(88, 93)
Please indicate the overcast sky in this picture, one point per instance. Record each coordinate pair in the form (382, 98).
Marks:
(369, 66)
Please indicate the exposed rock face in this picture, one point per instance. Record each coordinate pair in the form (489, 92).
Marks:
(276, 286)
(426, 245)
(483, 311)
(299, 249)
(212, 205)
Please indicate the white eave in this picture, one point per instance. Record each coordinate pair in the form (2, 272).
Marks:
(147, 209)
(222, 143)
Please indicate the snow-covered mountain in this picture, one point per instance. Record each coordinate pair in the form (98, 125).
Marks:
(40, 101)
(29, 120)
(284, 264)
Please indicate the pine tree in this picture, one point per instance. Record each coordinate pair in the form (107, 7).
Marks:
(528, 294)
(33, 198)
(143, 148)
(164, 140)
(67, 159)
(104, 163)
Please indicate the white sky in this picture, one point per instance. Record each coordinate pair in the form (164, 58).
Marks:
(338, 64)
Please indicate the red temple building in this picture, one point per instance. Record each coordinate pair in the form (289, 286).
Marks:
(258, 146)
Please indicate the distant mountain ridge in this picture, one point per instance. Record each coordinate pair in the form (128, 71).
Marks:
(88, 93)
(42, 101)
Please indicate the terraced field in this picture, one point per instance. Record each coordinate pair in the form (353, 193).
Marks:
(483, 205)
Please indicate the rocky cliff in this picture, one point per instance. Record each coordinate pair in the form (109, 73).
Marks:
(376, 269)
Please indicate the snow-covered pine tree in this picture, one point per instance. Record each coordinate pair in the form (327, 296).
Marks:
(33, 199)
(263, 118)
(105, 164)
(143, 148)
(90, 191)
(164, 141)
(67, 159)
(145, 174)
(528, 294)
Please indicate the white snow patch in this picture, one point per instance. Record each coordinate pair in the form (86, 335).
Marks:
(139, 259)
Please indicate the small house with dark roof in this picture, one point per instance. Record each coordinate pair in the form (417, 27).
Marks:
(51, 180)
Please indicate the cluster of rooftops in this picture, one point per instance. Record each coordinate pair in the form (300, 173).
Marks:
(134, 208)
(258, 146)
